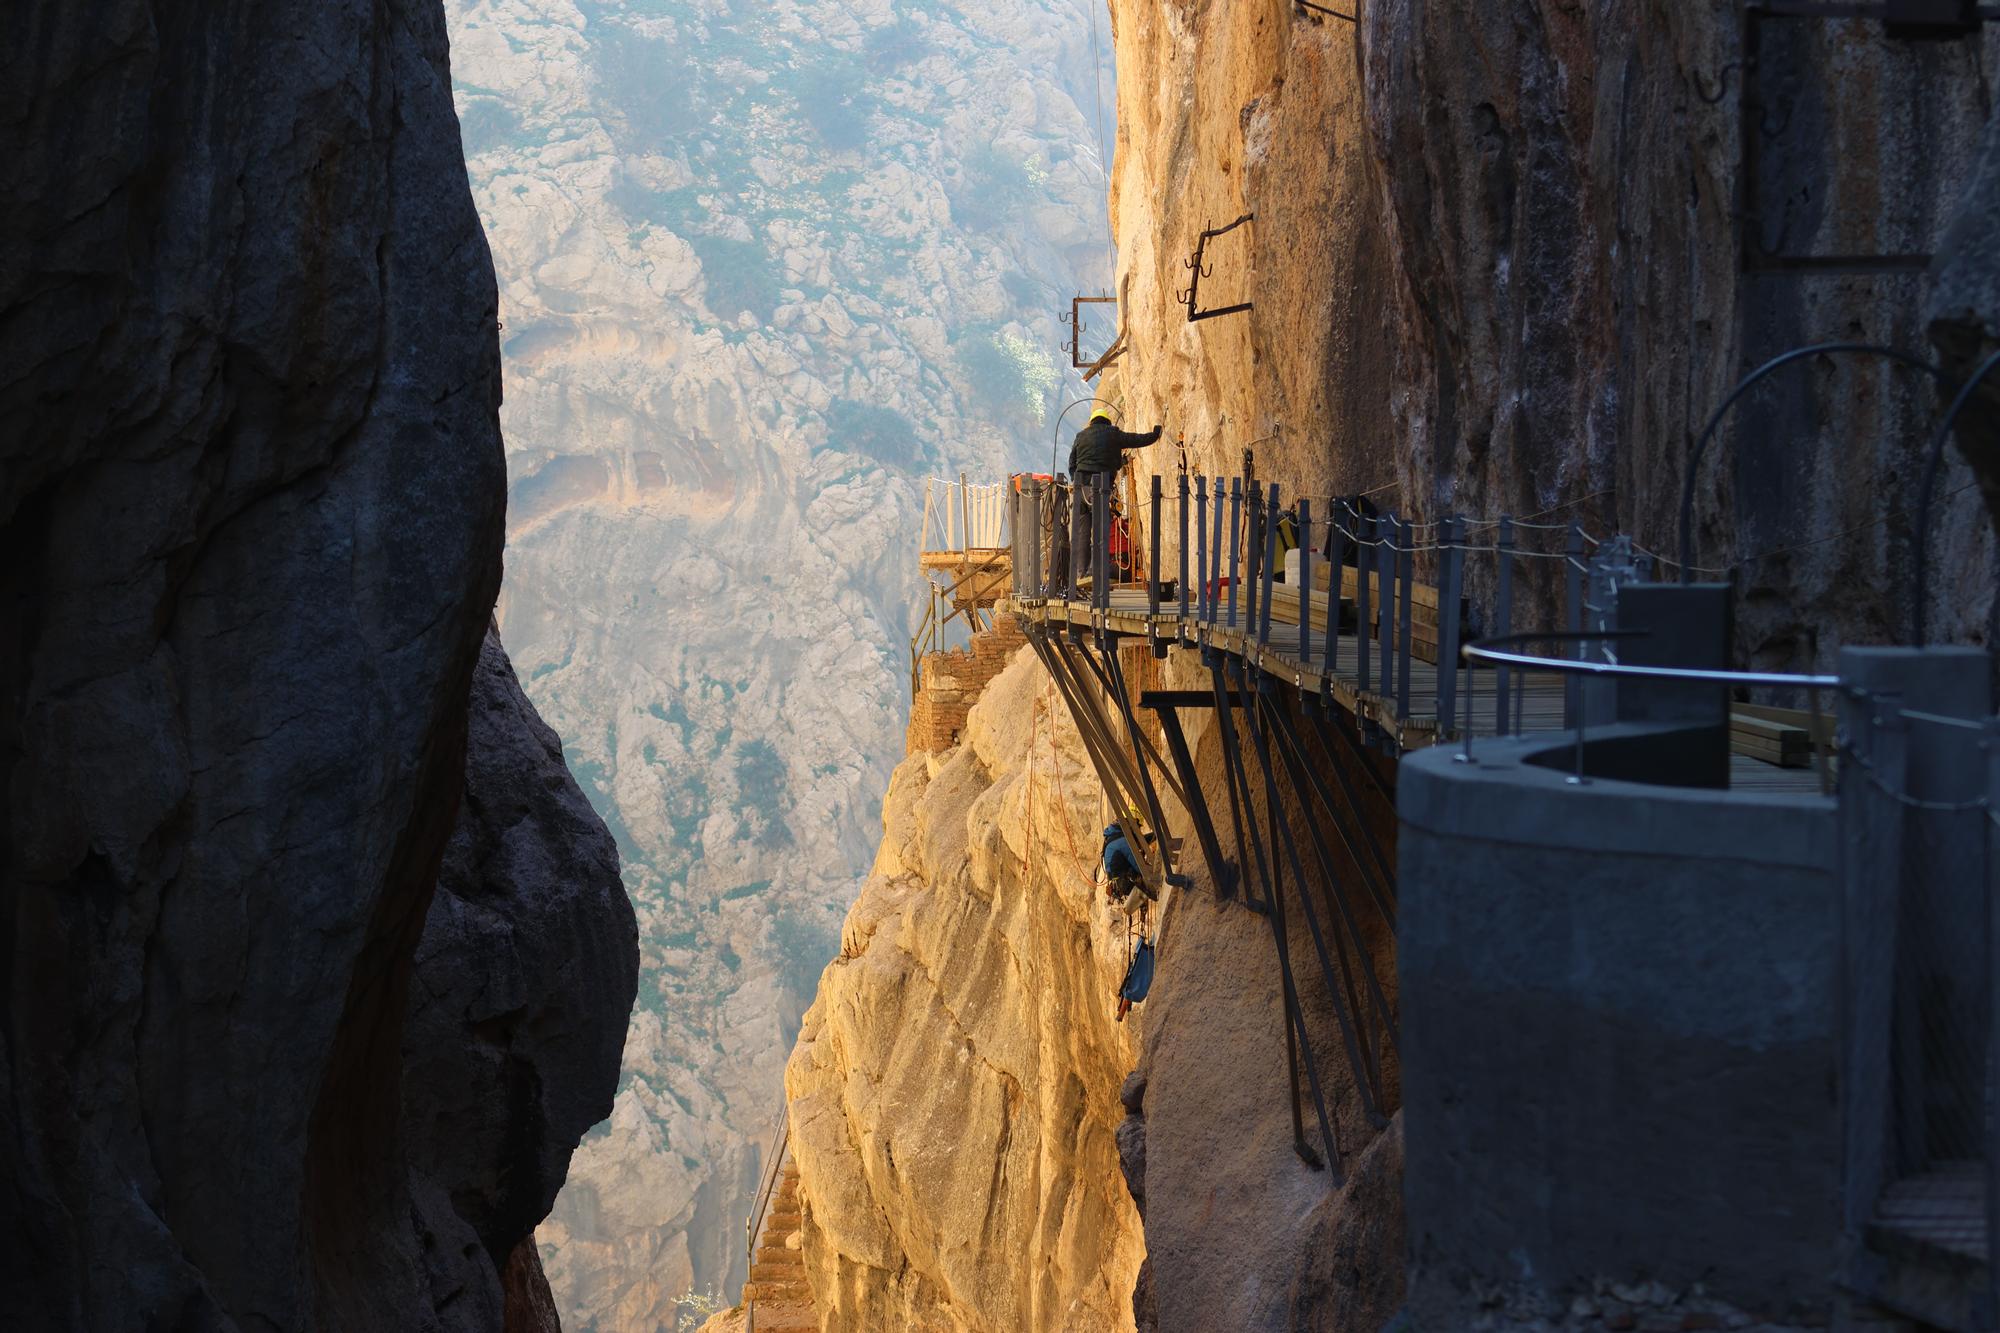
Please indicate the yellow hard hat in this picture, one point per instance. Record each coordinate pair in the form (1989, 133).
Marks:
(1101, 413)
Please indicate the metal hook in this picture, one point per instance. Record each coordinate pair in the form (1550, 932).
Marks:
(1721, 83)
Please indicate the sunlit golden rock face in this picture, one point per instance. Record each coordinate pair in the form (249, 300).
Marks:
(761, 268)
(1497, 268)
(954, 1090)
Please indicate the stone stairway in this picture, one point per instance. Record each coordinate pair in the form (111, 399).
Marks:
(777, 1284)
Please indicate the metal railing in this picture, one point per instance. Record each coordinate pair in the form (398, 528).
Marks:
(774, 1167)
(1492, 653)
(961, 516)
(1219, 548)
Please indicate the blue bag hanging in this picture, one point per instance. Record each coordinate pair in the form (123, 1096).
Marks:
(1139, 975)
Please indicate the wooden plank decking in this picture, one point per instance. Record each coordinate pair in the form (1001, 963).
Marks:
(1539, 694)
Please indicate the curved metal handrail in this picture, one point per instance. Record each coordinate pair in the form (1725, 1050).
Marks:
(1480, 652)
(781, 1139)
(1926, 491)
(1744, 386)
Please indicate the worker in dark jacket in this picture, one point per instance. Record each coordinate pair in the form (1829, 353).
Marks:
(1101, 447)
(1121, 873)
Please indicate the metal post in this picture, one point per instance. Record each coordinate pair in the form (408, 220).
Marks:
(1201, 547)
(1573, 620)
(1253, 555)
(1305, 580)
(1153, 576)
(1447, 663)
(1153, 547)
(1215, 556)
(1014, 561)
(1364, 555)
(1385, 565)
(1503, 616)
(964, 521)
(1181, 629)
(1037, 587)
(1077, 546)
(1101, 585)
(1235, 535)
(1406, 555)
(1337, 558)
(1270, 568)
(1219, 869)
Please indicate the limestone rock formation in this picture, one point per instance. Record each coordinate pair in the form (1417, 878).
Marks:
(251, 498)
(954, 1091)
(762, 268)
(1496, 268)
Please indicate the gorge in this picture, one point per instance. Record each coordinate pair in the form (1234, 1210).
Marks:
(391, 945)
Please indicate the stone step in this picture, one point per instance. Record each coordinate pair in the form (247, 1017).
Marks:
(786, 1319)
(782, 1223)
(793, 1271)
(778, 1293)
(776, 1254)
(786, 1262)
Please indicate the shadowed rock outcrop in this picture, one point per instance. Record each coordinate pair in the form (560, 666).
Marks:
(528, 963)
(251, 495)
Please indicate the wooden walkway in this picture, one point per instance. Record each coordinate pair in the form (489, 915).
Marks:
(1535, 698)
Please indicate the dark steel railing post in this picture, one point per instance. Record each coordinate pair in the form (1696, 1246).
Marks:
(1016, 566)
(1201, 548)
(1573, 619)
(1215, 555)
(1385, 562)
(1180, 630)
(1365, 555)
(1153, 575)
(1038, 582)
(1235, 542)
(1102, 584)
(1336, 548)
(1153, 554)
(1253, 556)
(1078, 547)
(1503, 616)
(1453, 558)
(1270, 566)
(1406, 554)
(1305, 581)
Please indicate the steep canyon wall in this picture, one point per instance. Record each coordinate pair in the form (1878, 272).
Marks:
(954, 1088)
(1496, 268)
(1504, 259)
(279, 825)
(763, 268)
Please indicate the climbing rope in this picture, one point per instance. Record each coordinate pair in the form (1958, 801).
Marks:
(1103, 160)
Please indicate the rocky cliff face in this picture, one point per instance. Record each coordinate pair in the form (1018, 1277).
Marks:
(1498, 264)
(954, 1090)
(251, 501)
(1496, 268)
(762, 268)
(526, 969)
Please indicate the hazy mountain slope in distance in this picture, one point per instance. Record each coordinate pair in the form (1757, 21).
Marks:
(762, 268)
